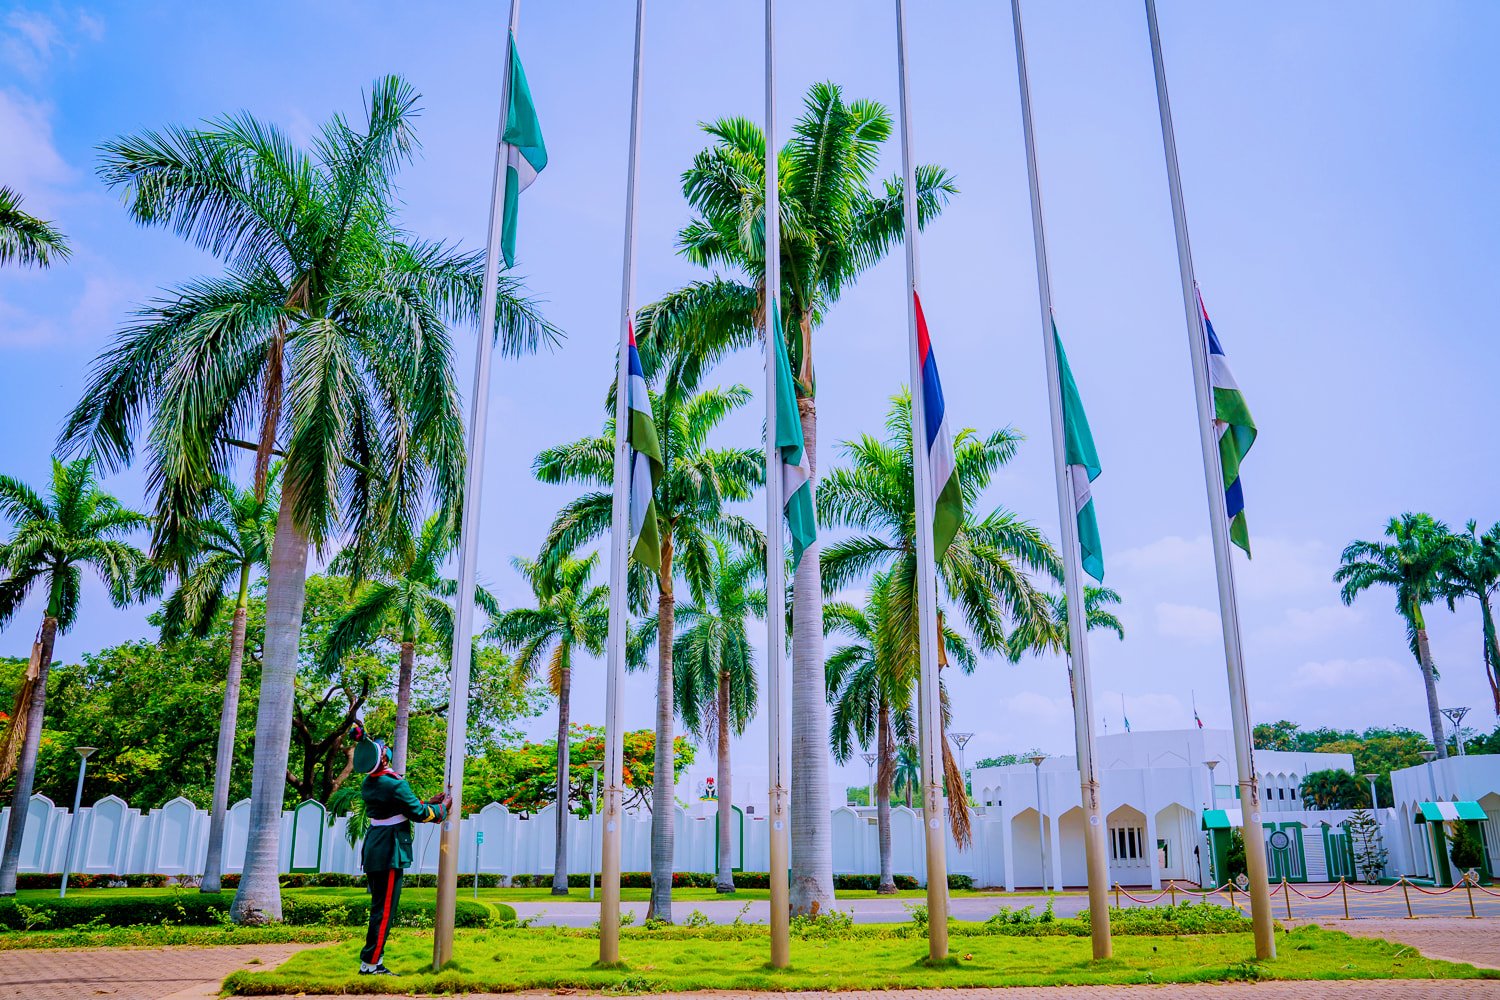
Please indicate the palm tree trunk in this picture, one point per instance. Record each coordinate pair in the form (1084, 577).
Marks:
(725, 881)
(1429, 681)
(1491, 649)
(259, 897)
(10, 861)
(886, 754)
(403, 705)
(663, 794)
(213, 865)
(812, 827)
(560, 856)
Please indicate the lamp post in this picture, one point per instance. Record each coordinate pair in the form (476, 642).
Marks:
(1041, 838)
(1428, 756)
(869, 784)
(1374, 800)
(1456, 716)
(962, 740)
(83, 764)
(1213, 789)
(593, 765)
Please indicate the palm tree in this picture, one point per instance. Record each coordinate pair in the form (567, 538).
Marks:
(697, 485)
(1097, 602)
(225, 546)
(985, 573)
(714, 674)
(26, 239)
(870, 695)
(836, 222)
(907, 773)
(571, 614)
(1474, 572)
(326, 342)
(53, 539)
(409, 596)
(1412, 564)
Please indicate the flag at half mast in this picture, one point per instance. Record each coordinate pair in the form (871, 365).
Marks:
(1083, 464)
(645, 465)
(1235, 428)
(526, 153)
(937, 443)
(796, 472)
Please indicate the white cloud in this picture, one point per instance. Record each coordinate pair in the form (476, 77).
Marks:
(1187, 621)
(1305, 625)
(1284, 567)
(32, 40)
(102, 301)
(29, 162)
(1367, 673)
(1173, 555)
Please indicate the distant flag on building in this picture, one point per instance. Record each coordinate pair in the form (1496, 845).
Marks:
(1123, 715)
(645, 466)
(526, 156)
(796, 472)
(1196, 717)
(948, 503)
(1083, 465)
(1236, 430)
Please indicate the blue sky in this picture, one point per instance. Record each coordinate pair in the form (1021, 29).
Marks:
(1339, 176)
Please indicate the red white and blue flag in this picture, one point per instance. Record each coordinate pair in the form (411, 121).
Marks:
(645, 464)
(937, 440)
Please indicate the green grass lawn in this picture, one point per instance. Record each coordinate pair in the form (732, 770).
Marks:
(860, 958)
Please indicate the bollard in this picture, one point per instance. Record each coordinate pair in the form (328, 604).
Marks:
(1172, 888)
(1344, 888)
(1117, 895)
(1407, 893)
(1230, 886)
(1286, 892)
(1469, 888)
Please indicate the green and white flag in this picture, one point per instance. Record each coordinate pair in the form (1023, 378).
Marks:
(527, 153)
(796, 473)
(1083, 464)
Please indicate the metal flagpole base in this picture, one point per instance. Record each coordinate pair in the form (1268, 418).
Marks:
(609, 879)
(778, 880)
(1098, 872)
(1258, 871)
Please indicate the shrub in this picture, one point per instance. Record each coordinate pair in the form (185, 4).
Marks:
(123, 910)
(1465, 848)
(960, 881)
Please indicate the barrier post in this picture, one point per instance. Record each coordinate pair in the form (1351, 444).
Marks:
(1469, 888)
(1286, 894)
(1117, 895)
(1230, 886)
(1407, 893)
(1172, 888)
(1344, 888)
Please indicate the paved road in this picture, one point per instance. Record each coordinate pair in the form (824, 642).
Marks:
(1388, 904)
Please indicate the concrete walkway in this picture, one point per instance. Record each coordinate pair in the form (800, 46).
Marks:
(131, 973)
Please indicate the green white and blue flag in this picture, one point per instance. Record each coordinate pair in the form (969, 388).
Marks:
(1083, 464)
(1235, 428)
(526, 153)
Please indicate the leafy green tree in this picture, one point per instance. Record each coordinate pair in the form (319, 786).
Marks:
(1378, 750)
(225, 546)
(1333, 788)
(713, 672)
(837, 221)
(1007, 759)
(408, 595)
(697, 486)
(1369, 850)
(985, 574)
(1465, 848)
(53, 539)
(326, 341)
(1473, 572)
(572, 614)
(870, 693)
(1412, 564)
(906, 778)
(24, 238)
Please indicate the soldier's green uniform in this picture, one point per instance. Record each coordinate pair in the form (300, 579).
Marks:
(392, 807)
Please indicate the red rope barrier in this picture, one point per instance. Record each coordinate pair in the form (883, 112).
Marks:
(1373, 892)
(1433, 892)
(1126, 893)
(1325, 895)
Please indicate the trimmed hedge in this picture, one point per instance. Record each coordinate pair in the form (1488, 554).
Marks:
(206, 910)
(707, 880)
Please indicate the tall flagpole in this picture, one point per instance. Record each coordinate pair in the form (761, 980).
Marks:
(929, 710)
(619, 542)
(778, 729)
(1067, 513)
(1213, 475)
(463, 618)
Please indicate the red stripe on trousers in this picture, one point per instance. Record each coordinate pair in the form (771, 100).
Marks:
(385, 918)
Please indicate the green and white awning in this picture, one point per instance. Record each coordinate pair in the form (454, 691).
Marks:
(1444, 812)
(1222, 819)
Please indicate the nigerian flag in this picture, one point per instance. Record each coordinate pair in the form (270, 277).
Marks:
(526, 153)
(1083, 464)
(796, 473)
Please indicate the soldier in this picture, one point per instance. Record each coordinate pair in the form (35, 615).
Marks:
(392, 807)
